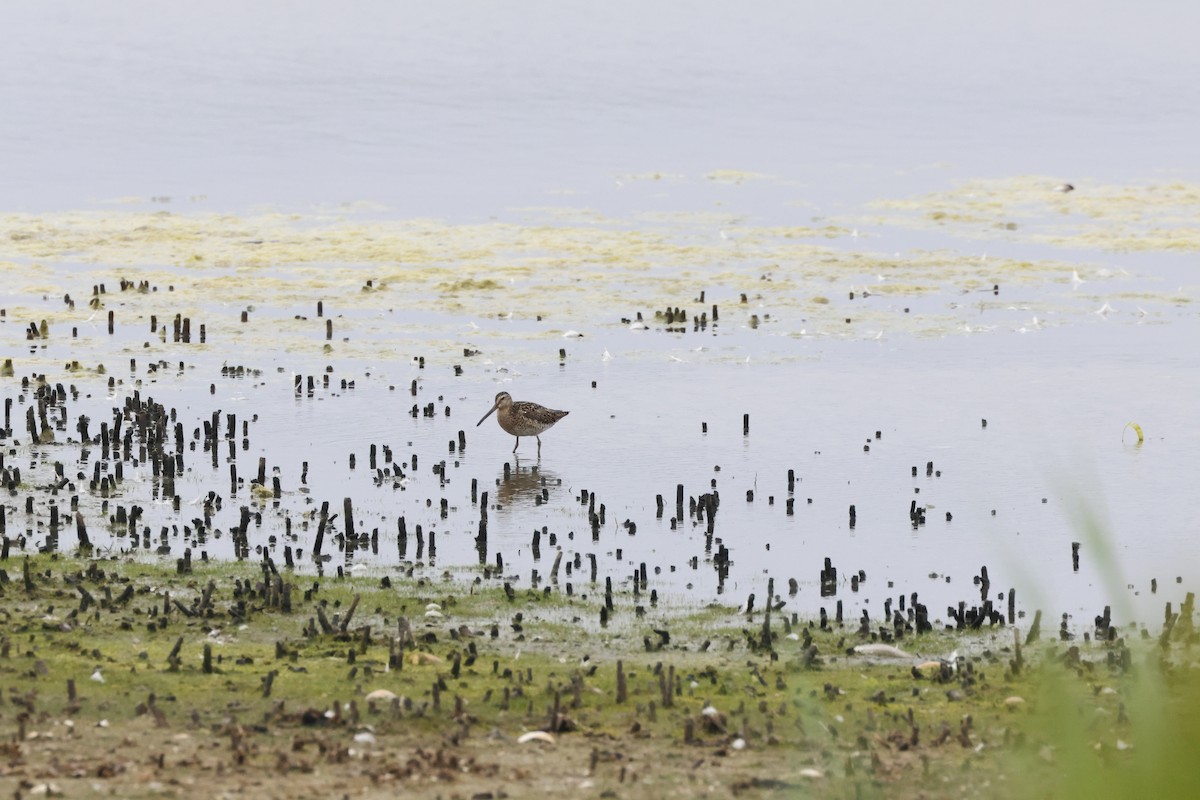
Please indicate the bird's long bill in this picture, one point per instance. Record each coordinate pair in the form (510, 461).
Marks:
(485, 416)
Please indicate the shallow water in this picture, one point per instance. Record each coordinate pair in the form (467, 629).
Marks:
(466, 177)
(852, 412)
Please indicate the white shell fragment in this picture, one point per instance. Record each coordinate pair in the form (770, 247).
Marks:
(880, 651)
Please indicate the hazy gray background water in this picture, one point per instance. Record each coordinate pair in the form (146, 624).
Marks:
(473, 110)
(464, 109)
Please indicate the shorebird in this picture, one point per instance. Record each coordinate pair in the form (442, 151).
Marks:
(522, 418)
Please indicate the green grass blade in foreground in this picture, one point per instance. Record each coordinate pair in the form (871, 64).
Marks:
(1116, 724)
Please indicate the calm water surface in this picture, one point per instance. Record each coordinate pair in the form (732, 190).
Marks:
(463, 110)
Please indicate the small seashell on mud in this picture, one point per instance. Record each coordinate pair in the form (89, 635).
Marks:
(880, 651)
(423, 659)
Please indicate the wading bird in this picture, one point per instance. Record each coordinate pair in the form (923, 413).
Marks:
(522, 418)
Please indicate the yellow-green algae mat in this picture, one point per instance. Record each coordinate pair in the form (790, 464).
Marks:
(126, 679)
(1147, 217)
(568, 267)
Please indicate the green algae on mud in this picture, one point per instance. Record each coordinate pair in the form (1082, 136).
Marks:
(127, 678)
(1150, 217)
(372, 274)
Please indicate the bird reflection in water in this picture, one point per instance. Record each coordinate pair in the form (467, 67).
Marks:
(525, 484)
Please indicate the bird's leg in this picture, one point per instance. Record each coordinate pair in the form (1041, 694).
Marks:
(539, 440)
(515, 446)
